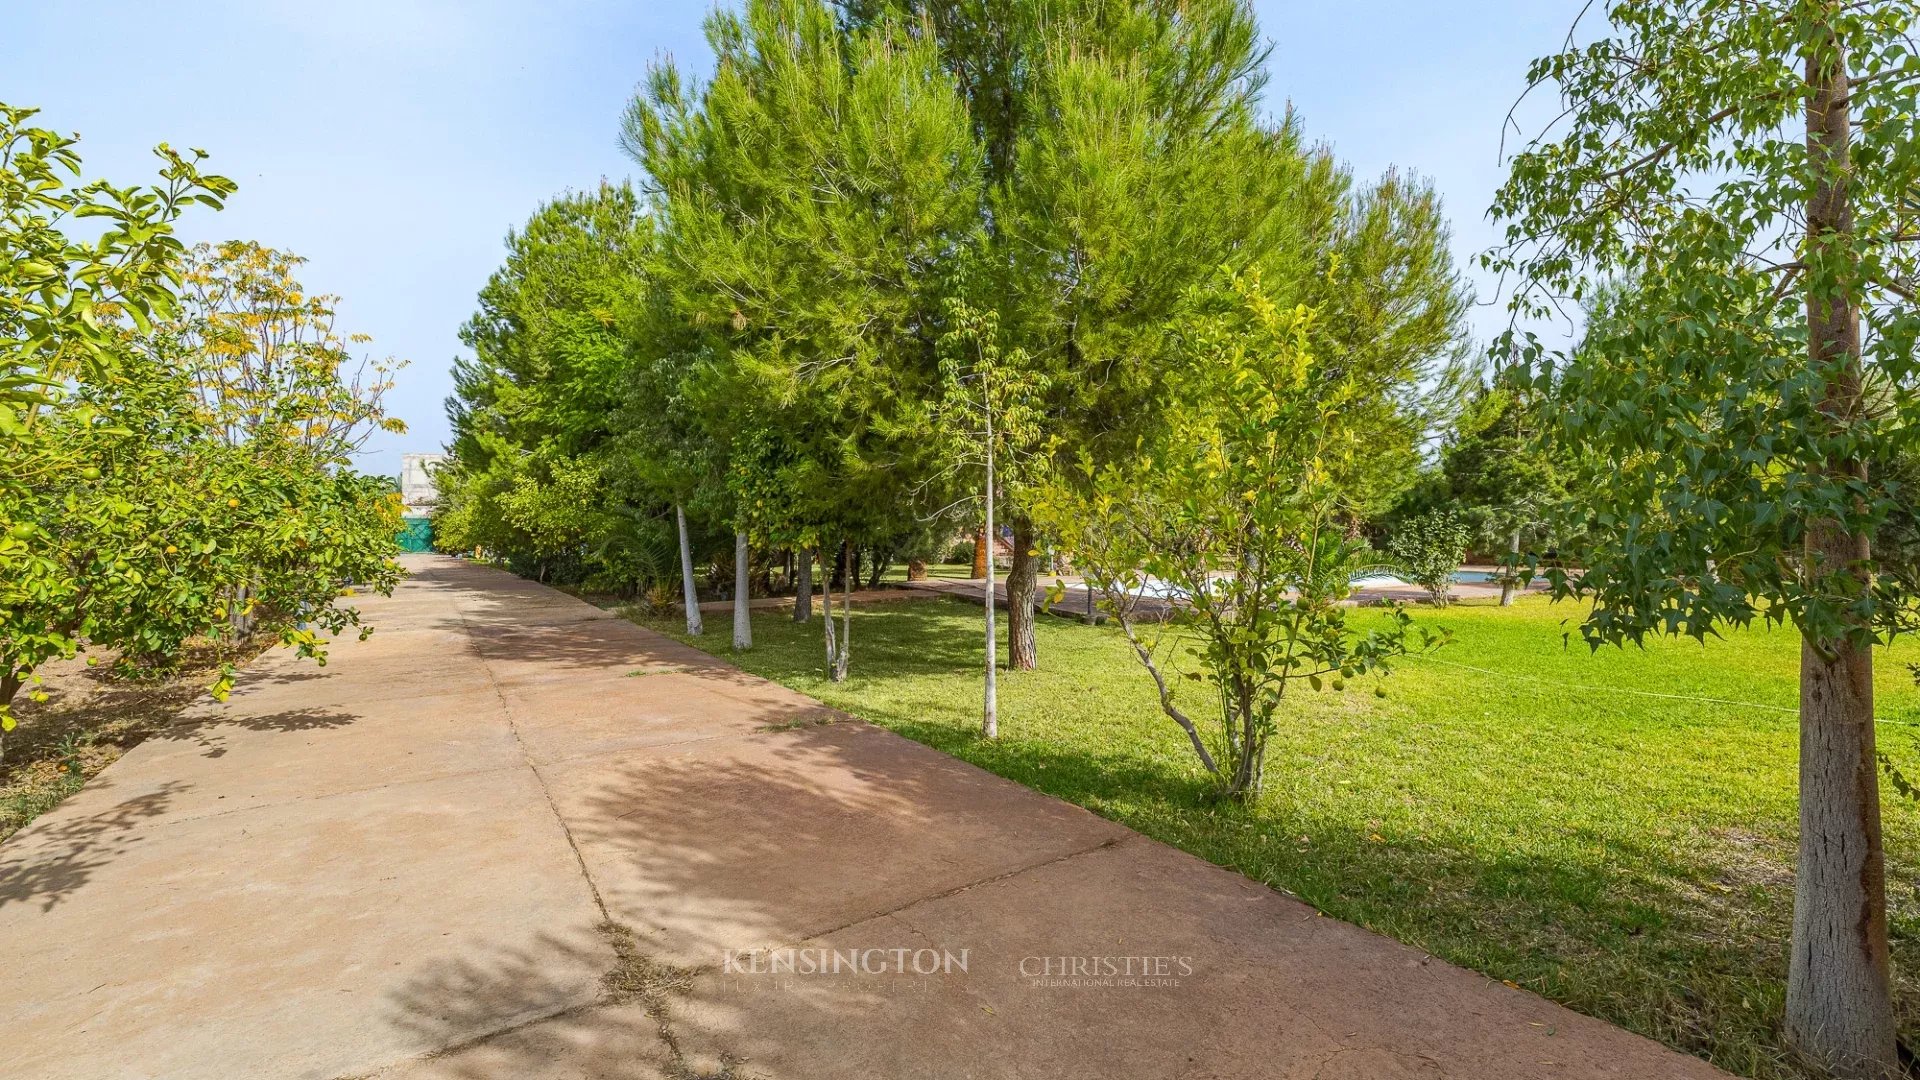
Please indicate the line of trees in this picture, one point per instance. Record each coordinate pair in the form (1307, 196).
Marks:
(880, 231)
(177, 429)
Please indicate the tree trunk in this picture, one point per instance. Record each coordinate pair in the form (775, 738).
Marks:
(10, 685)
(687, 594)
(982, 552)
(845, 659)
(840, 643)
(990, 715)
(803, 587)
(916, 569)
(853, 572)
(1839, 1000)
(240, 615)
(1244, 744)
(1022, 592)
(882, 560)
(742, 611)
(1509, 580)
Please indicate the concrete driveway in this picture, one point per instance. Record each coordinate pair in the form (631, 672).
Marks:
(513, 837)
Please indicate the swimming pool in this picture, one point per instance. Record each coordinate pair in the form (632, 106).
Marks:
(1461, 577)
(1378, 580)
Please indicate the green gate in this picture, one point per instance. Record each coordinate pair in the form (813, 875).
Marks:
(416, 534)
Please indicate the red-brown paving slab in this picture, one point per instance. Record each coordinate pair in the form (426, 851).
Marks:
(404, 865)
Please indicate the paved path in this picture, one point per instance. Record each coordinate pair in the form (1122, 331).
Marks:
(404, 866)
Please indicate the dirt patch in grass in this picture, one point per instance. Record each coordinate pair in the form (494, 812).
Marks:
(90, 717)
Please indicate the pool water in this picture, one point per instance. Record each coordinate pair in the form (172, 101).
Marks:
(1463, 577)
(1166, 589)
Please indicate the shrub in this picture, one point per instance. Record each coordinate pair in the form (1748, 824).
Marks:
(1428, 550)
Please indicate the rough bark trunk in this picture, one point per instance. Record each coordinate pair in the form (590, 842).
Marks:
(1022, 592)
(1509, 581)
(916, 569)
(687, 594)
(982, 553)
(882, 560)
(1839, 1000)
(803, 587)
(742, 612)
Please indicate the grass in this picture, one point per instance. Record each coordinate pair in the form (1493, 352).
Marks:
(897, 572)
(1613, 830)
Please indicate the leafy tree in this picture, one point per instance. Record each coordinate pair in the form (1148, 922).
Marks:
(285, 398)
(75, 548)
(61, 298)
(1125, 162)
(542, 410)
(1500, 475)
(662, 442)
(175, 466)
(1235, 523)
(1428, 549)
(993, 422)
(554, 514)
(265, 360)
(1750, 167)
(117, 528)
(808, 194)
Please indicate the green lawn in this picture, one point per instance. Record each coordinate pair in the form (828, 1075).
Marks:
(897, 573)
(1589, 826)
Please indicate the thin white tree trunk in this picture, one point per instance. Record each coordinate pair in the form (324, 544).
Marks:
(845, 659)
(840, 639)
(687, 594)
(990, 721)
(826, 580)
(742, 612)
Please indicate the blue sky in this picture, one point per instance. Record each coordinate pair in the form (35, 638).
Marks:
(393, 142)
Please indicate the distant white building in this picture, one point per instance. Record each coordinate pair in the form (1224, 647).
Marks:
(416, 482)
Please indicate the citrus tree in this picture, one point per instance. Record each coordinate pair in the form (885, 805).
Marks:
(82, 477)
(286, 405)
(174, 465)
(1231, 527)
